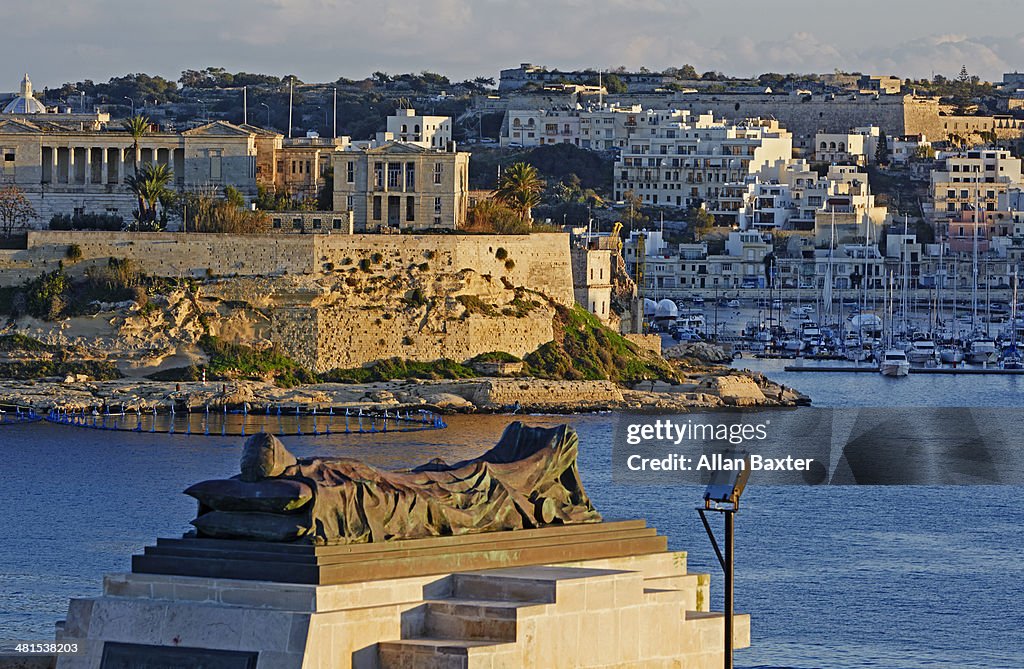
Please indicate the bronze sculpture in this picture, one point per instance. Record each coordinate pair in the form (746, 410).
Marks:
(529, 479)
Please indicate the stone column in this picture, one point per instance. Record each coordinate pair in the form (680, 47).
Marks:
(53, 165)
(71, 164)
(104, 166)
(87, 174)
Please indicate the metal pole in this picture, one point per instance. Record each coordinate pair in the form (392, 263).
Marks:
(245, 105)
(335, 126)
(729, 530)
(291, 88)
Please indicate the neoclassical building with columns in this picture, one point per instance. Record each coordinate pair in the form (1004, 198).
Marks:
(66, 169)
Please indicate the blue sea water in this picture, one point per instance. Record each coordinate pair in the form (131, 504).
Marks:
(898, 576)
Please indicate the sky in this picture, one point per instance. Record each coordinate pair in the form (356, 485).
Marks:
(56, 41)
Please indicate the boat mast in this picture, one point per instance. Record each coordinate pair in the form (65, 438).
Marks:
(974, 270)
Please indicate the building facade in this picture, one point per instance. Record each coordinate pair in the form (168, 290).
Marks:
(402, 187)
(691, 163)
(65, 169)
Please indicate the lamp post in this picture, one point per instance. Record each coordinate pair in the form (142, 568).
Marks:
(723, 496)
(133, 104)
(264, 104)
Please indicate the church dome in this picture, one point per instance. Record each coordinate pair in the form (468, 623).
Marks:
(25, 103)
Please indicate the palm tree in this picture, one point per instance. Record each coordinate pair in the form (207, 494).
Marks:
(520, 188)
(150, 185)
(138, 126)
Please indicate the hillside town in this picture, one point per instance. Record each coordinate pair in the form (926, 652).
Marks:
(669, 186)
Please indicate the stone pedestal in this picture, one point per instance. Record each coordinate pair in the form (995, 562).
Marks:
(627, 610)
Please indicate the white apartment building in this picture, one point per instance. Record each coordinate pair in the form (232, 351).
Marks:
(703, 160)
(972, 179)
(904, 148)
(599, 128)
(856, 147)
(408, 127)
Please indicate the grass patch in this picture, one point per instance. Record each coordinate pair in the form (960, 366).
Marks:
(584, 349)
(495, 356)
(23, 343)
(474, 305)
(232, 361)
(398, 368)
(37, 369)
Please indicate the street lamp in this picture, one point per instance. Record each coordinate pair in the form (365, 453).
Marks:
(264, 104)
(133, 104)
(723, 496)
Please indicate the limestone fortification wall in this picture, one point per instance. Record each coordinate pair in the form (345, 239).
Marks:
(537, 262)
(328, 338)
(346, 300)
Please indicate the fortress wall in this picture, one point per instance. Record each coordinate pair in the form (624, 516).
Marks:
(540, 262)
(328, 338)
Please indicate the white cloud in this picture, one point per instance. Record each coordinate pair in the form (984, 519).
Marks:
(322, 39)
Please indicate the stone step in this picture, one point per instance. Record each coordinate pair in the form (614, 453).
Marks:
(712, 624)
(539, 585)
(474, 618)
(429, 653)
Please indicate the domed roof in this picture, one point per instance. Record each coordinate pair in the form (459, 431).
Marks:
(666, 309)
(25, 103)
(650, 306)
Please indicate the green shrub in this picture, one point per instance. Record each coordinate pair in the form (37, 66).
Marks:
(398, 368)
(585, 349)
(73, 253)
(229, 361)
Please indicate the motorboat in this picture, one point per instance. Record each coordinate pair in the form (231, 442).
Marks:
(951, 354)
(921, 351)
(982, 351)
(894, 363)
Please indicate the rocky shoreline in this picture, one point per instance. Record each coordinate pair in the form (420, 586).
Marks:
(707, 390)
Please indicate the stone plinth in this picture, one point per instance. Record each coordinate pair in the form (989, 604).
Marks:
(628, 610)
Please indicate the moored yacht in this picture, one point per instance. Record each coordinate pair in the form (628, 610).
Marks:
(982, 351)
(921, 351)
(894, 363)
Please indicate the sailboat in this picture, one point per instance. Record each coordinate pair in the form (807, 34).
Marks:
(894, 360)
(1012, 358)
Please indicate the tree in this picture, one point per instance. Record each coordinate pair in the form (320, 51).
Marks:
(520, 189)
(494, 217)
(613, 84)
(688, 72)
(150, 185)
(701, 221)
(633, 204)
(925, 152)
(882, 151)
(137, 126)
(15, 210)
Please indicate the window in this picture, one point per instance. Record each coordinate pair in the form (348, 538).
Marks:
(317, 224)
(394, 175)
(296, 224)
(336, 223)
(964, 194)
(437, 205)
(950, 193)
(215, 156)
(350, 172)
(438, 167)
(437, 221)
(378, 175)
(349, 201)
(410, 176)
(410, 208)
(376, 207)
(277, 223)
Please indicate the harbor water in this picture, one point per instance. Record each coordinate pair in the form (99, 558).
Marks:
(895, 576)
